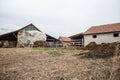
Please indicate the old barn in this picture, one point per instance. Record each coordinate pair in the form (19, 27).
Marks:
(27, 36)
(77, 39)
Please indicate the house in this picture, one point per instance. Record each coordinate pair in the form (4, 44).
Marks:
(27, 36)
(66, 41)
(77, 39)
(108, 33)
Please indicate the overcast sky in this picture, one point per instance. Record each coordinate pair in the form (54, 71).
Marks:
(58, 17)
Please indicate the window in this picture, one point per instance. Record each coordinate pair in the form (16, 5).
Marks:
(94, 36)
(115, 35)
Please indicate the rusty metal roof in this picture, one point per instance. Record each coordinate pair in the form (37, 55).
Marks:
(104, 29)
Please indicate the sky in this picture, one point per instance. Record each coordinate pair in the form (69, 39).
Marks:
(58, 17)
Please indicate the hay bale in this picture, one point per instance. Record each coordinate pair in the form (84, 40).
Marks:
(5, 44)
(39, 44)
(1, 43)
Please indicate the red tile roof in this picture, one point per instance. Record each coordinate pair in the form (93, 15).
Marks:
(104, 28)
(65, 39)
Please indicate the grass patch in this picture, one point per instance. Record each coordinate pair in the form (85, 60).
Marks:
(108, 60)
(69, 51)
(55, 53)
(39, 48)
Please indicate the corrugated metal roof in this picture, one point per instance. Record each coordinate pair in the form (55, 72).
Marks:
(104, 29)
(15, 32)
(76, 36)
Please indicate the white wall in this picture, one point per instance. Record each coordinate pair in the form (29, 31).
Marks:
(101, 38)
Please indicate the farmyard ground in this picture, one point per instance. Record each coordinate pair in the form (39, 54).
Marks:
(51, 64)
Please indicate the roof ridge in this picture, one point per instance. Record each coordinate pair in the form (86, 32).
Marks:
(21, 29)
(106, 24)
(103, 28)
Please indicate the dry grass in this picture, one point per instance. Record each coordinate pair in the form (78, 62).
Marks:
(29, 64)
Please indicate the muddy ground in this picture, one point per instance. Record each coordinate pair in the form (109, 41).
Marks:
(31, 64)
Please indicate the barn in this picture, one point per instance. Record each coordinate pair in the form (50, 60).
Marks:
(108, 33)
(74, 40)
(77, 39)
(28, 36)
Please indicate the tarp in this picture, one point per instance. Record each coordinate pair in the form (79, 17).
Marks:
(29, 37)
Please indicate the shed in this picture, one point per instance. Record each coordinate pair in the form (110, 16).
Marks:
(66, 41)
(77, 39)
(51, 41)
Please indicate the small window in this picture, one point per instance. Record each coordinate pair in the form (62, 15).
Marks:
(115, 34)
(94, 36)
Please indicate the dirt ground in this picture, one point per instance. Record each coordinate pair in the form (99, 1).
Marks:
(30, 64)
